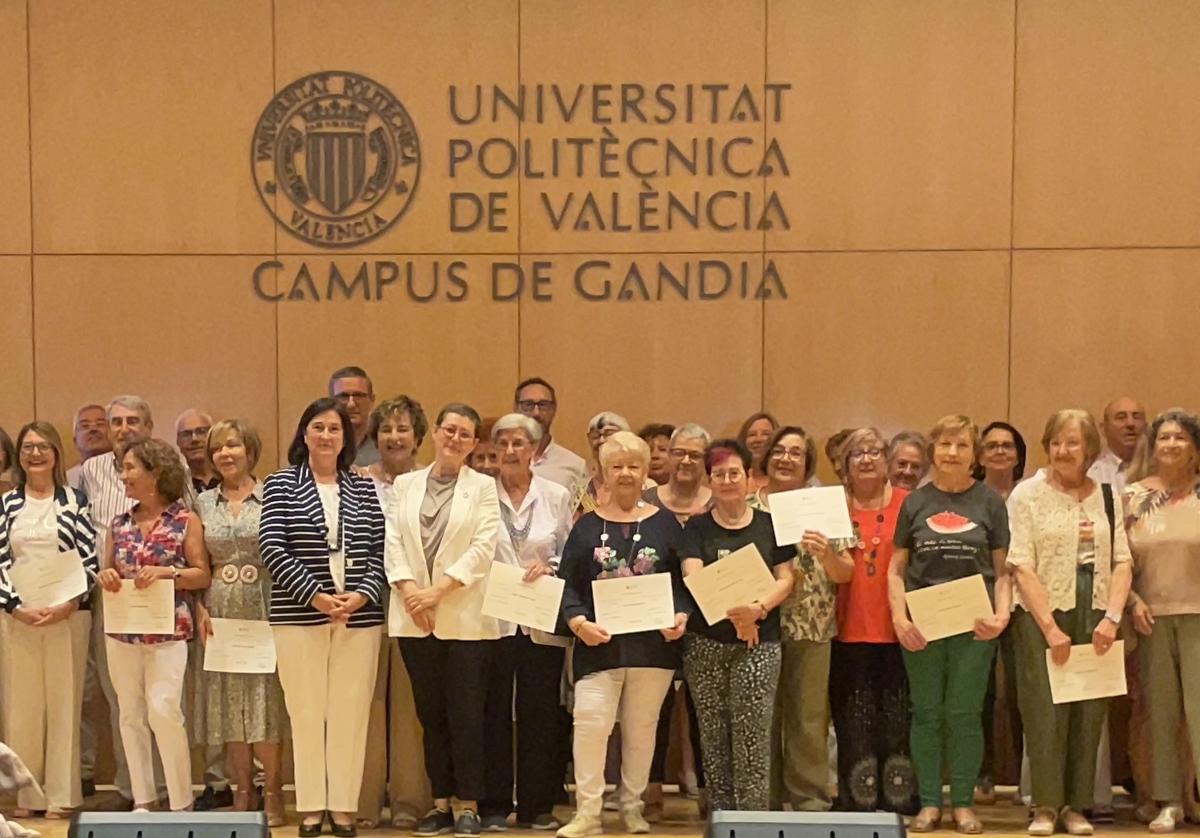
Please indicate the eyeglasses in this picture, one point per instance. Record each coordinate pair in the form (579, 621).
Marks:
(866, 453)
(779, 453)
(603, 433)
(348, 395)
(731, 476)
(999, 446)
(39, 447)
(532, 405)
(461, 434)
(684, 454)
(194, 433)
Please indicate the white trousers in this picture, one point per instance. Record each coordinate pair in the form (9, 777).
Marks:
(43, 690)
(328, 677)
(148, 679)
(635, 696)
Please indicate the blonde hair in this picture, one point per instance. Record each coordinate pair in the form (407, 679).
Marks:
(251, 441)
(953, 423)
(1060, 419)
(624, 442)
(857, 438)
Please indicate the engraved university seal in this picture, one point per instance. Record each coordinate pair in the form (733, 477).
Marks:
(335, 158)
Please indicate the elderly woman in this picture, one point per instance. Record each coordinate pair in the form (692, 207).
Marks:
(658, 437)
(321, 537)
(624, 675)
(442, 526)
(41, 519)
(732, 667)
(600, 428)
(1162, 517)
(950, 528)
(159, 541)
(755, 434)
(536, 514)
(686, 492)
(1002, 458)
(908, 460)
(1070, 558)
(799, 742)
(394, 769)
(868, 688)
(244, 712)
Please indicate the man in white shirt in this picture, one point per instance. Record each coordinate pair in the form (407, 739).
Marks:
(535, 398)
(1123, 425)
(91, 439)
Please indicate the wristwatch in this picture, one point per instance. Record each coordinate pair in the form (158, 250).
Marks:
(1113, 616)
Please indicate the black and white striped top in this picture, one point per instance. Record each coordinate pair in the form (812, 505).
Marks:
(75, 532)
(295, 546)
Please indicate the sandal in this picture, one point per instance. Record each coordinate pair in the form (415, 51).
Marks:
(1075, 823)
(1043, 822)
(274, 808)
(59, 814)
(965, 822)
(1168, 818)
(366, 823)
(926, 820)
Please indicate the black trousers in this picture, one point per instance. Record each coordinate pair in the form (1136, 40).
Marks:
(533, 672)
(662, 736)
(449, 682)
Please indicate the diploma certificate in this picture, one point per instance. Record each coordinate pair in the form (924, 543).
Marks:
(46, 581)
(510, 598)
(1087, 675)
(240, 646)
(737, 579)
(629, 604)
(821, 509)
(950, 608)
(150, 610)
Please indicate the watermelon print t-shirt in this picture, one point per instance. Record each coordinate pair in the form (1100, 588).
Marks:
(951, 536)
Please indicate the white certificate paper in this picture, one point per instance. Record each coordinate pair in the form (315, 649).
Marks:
(950, 608)
(821, 509)
(510, 598)
(46, 581)
(1087, 675)
(240, 646)
(738, 579)
(629, 604)
(150, 610)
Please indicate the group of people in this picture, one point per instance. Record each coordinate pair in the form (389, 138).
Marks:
(353, 543)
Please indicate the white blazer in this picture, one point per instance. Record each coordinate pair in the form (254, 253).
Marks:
(465, 554)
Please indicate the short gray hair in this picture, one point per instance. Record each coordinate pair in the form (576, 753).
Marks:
(608, 419)
(625, 442)
(135, 403)
(517, 422)
(690, 430)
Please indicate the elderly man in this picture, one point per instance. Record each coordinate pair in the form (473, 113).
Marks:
(191, 435)
(352, 387)
(535, 398)
(91, 439)
(908, 459)
(1123, 425)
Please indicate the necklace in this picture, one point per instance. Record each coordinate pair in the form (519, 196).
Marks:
(728, 524)
(517, 531)
(637, 534)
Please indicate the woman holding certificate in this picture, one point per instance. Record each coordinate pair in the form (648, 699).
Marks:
(245, 711)
(158, 542)
(1071, 562)
(951, 528)
(44, 524)
(1162, 515)
(800, 737)
(868, 688)
(620, 673)
(321, 537)
(732, 667)
(442, 526)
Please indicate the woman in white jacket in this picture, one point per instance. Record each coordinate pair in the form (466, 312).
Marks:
(442, 525)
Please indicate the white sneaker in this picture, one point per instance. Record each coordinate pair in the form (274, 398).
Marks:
(631, 818)
(1167, 819)
(581, 826)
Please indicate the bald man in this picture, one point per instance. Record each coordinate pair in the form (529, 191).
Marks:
(1123, 425)
(191, 435)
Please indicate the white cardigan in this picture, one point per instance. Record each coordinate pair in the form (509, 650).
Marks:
(465, 554)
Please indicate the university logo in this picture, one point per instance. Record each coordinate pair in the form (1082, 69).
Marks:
(336, 159)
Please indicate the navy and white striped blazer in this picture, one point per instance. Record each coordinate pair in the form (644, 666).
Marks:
(75, 532)
(295, 546)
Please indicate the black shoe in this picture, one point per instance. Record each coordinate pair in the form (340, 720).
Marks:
(467, 825)
(310, 830)
(545, 822)
(87, 787)
(211, 799)
(436, 822)
(494, 823)
(348, 830)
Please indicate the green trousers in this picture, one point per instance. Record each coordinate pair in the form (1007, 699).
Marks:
(947, 681)
(800, 735)
(1060, 739)
(1170, 659)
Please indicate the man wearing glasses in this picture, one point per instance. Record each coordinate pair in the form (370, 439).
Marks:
(535, 398)
(191, 435)
(352, 387)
